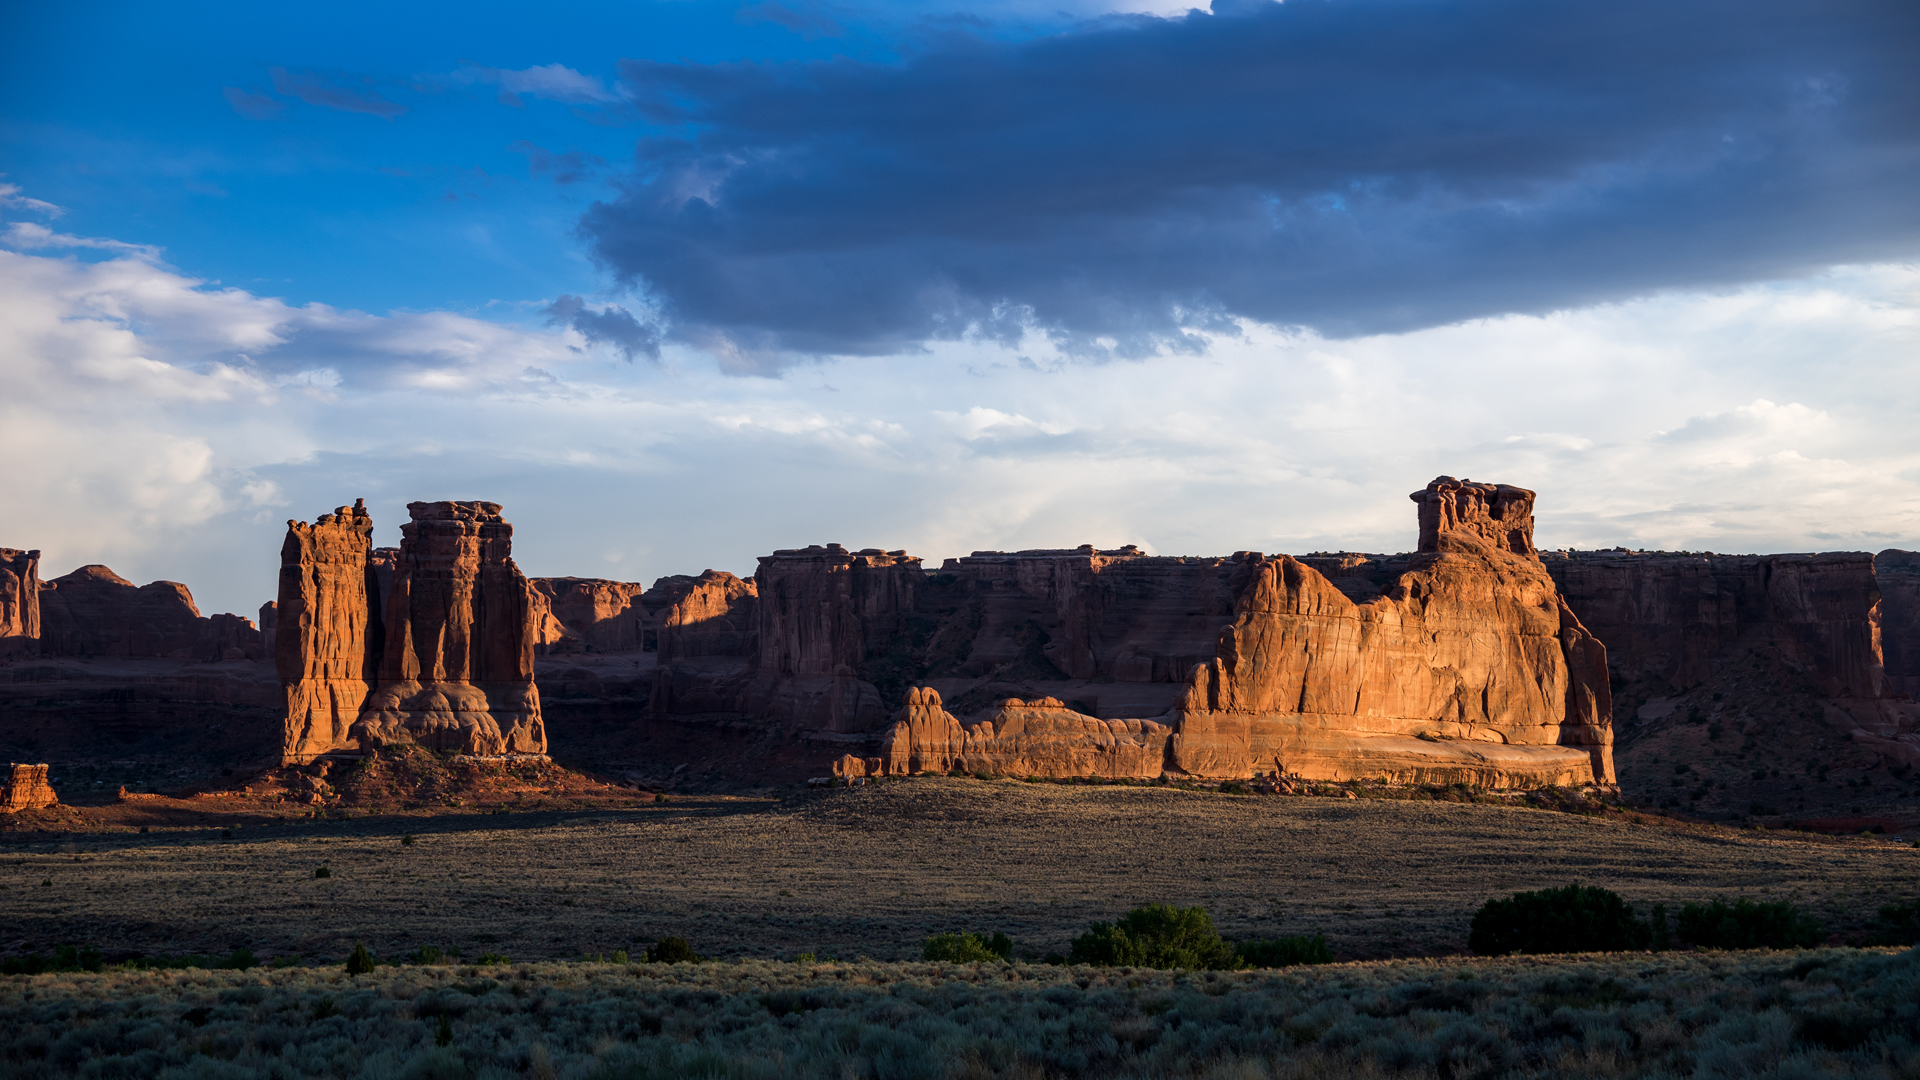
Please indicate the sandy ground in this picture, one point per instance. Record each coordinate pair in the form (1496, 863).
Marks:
(873, 871)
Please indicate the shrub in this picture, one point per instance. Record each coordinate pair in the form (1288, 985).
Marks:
(322, 872)
(489, 959)
(1899, 924)
(361, 962)
(407, 840)
(1577, 918)
(967, 948)
(241, 959)
(426, 954)
(1157, 936)
(1287, 951)
(619, 956)
(671, 950)
(1745, 924)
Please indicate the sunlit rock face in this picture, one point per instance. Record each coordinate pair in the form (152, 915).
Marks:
(25, 787)
(1468, 667)
(431, 643)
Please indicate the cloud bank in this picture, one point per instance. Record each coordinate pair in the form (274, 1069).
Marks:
(168, 427)
(1142, 185)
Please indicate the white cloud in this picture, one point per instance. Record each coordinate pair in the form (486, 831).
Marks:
(163, 425)
(11, 199)
(553, 82)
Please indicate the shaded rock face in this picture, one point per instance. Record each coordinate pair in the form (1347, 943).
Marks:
(1466, 668)
(820, 613)
(679, 616)
(429, 643)
(456, 672)
(327, 630)
(19, 602)
(26, 789)
(1898, 575)
(1672, 617)
(94, 612)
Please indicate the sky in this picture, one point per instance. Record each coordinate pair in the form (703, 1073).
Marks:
(680, 283)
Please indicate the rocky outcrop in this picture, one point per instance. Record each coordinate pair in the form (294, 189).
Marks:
(26, 789)
(327, 636)
(1467, 668)
(19, 602)
(456, 672)
(574, 615)
(1669, 618)
(94, 612)
(1898, 575)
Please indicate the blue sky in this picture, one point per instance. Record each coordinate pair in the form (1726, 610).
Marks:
(682, 282)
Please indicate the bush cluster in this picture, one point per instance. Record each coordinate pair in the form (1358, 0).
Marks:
(1581, 918)
(967, 948)
(671, 950)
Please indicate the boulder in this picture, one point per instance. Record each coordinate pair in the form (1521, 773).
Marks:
(19, 602)
(26, 789)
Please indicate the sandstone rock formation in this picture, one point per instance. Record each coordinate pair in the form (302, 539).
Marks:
(26, 789)
(457, 669)
(429, 643)
(19, 602)
(1468, 668)
(327, 631)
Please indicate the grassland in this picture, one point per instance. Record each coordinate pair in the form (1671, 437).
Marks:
(1825, 1013)
(871, 872)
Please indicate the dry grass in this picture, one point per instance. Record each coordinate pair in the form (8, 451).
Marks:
(1828, 1013)
(874, 871)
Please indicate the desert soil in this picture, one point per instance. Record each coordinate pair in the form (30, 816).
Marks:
(873, 871)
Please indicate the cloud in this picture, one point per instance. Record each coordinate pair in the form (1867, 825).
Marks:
(552, 82)
(611, 325)
(810, 21)
(11, 199)
(28, 235)
(568, 168)
(254, 106)
(316, 89)
(1140, 184)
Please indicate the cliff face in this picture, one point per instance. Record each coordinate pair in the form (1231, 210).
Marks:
(587, 615)
(821, 612)
(1670, 617)
(1469, 667)
(327, 632)
(1898, 575)
(19, 602)
(456, 672)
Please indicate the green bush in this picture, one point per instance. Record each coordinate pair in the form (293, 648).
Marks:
(1577, 918)
(671, 950)
(1287, 951)
(1745, 924)
(489, 959)
(967, 948)
(361, 962)
(1157, 936)
(426, 954)
(1899, 924)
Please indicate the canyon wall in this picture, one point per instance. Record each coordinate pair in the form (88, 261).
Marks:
(19, 602)
(1898, 575)
(821, 613)
(1671, 616)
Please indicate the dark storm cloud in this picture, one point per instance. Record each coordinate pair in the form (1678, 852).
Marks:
(1354, 166)
(613, 325)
